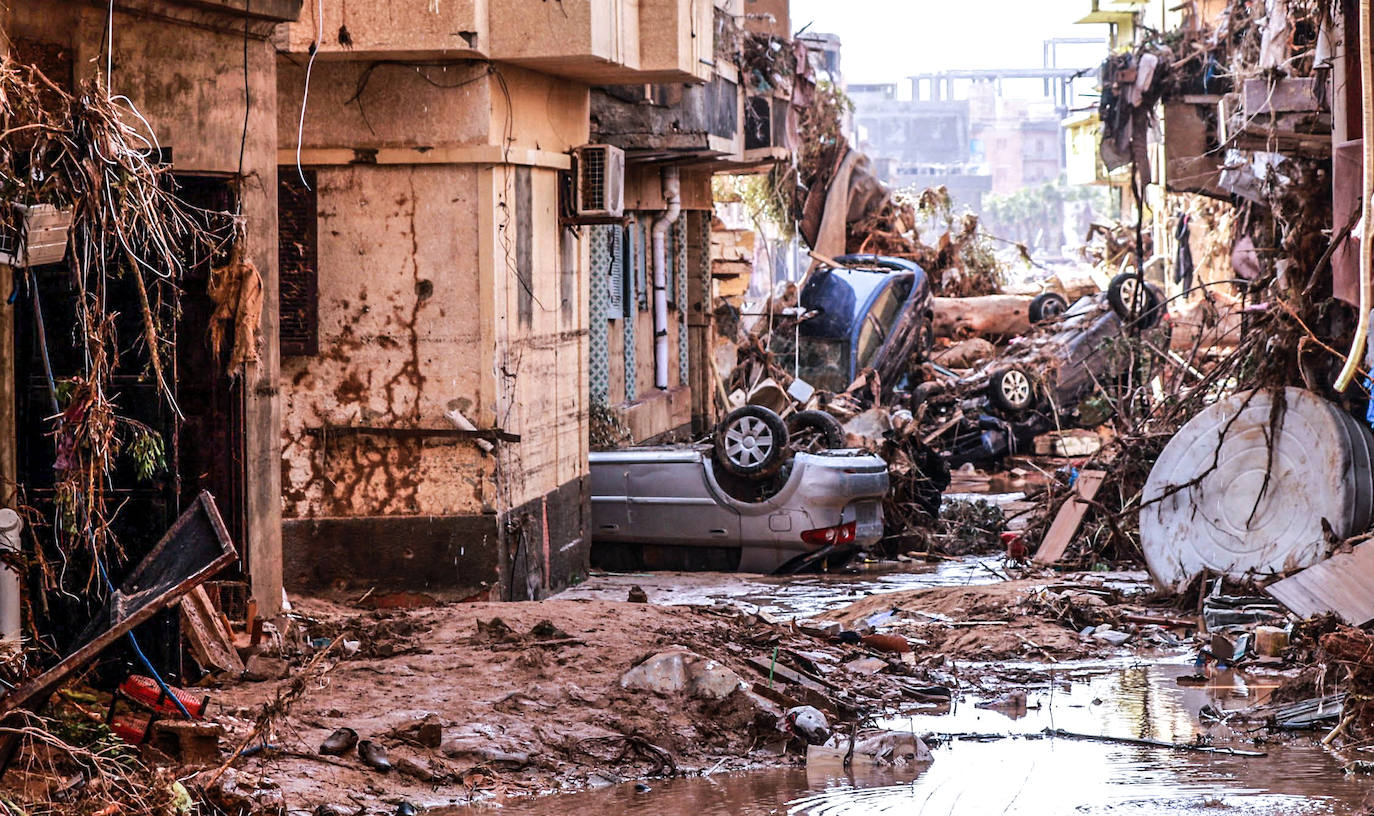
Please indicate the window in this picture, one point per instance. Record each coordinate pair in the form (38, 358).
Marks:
(297, 263)
(878, 322)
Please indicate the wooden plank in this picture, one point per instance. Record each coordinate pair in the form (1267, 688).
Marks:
(780, 672)
(1070, 516)
(143, 594)
(1342, 584)
(212, 644)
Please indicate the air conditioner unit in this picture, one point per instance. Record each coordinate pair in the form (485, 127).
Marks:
(600, 174)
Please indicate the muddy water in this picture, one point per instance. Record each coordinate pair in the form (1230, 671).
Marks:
(1024, 772)
(794, 596)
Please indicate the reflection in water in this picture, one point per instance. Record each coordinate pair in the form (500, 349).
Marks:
(1028, 773)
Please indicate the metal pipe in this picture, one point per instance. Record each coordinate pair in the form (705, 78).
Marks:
(672, 194)
(1357, 345)
(11, 622)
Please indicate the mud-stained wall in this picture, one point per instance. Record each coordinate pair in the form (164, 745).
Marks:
(540, 305)
(400, 326)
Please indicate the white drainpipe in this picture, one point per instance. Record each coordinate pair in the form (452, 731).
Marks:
(672, 194)
(10, 620)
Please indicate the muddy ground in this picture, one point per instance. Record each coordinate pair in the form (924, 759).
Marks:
(534, 703)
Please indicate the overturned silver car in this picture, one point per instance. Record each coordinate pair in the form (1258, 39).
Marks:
(679, 508)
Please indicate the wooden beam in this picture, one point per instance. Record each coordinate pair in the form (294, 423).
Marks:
(1070, 516)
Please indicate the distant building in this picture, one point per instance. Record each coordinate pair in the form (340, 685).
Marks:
(920, 144)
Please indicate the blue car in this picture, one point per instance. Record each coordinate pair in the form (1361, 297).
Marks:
(871, 312)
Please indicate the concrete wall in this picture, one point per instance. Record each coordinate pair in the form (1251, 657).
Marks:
(183, 67)
(445, 282)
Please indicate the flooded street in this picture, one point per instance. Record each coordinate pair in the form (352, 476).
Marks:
(789, 596)
(1003, 764)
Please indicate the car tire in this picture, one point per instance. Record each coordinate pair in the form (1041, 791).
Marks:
(1011, 389)
(827, 431)
(751, 442)
(1122, 297)
(1047, 305)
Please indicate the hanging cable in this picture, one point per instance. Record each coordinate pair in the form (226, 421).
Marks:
(305, 95)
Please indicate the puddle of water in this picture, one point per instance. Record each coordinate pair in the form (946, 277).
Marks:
(791, 596)
(1029, 773)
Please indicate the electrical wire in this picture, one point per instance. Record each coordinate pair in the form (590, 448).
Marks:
(305, 95)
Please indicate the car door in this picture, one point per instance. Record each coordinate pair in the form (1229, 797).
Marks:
(669, 502)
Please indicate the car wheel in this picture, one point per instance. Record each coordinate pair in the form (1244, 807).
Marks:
(1047, 305)
(1130, 302)
(813, 431)
(751, 442)
(1011, 389)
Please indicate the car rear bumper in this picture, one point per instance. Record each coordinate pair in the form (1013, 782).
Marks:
(868, 521)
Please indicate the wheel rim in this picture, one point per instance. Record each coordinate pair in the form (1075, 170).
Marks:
(748, 441)
(1052, 308)
(1016, 387)
(1131, 296)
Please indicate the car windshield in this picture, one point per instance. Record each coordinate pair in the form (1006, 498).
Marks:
(878, 322)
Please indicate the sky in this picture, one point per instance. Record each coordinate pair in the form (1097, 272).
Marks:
(886, 40)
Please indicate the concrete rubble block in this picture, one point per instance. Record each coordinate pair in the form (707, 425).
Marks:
(191, 742)
(481, 749)
(679, 671)
(426, 731)
(866, 430)
(261, 667)
(822, 628)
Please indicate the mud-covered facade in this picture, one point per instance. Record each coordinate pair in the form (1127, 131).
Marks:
(433, 285)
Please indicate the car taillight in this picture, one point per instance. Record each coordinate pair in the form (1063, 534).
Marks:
(823, 536)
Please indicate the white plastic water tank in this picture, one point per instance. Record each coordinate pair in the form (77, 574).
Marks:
(1242, 488)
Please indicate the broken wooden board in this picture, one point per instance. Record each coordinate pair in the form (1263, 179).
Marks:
(212, 643)
(1343, 584)
(196, 547)
(1070, 516)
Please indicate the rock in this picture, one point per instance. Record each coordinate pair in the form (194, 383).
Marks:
(479, 748)
(412, 767)
(866, 665)
(680, 671)
(427, 731)
(261, 667)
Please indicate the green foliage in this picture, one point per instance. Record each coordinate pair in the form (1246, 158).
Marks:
(148, 454)
(764, 196)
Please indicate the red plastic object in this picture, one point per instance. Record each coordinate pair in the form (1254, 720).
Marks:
(130, 729)
(144, 691)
